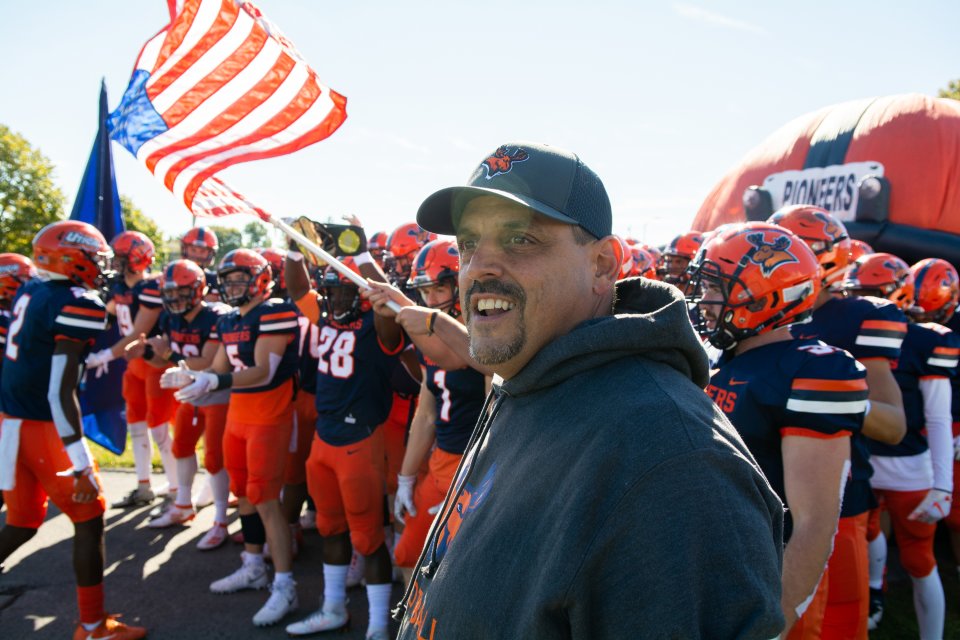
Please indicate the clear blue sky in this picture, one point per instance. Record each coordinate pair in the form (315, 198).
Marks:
(659, 99)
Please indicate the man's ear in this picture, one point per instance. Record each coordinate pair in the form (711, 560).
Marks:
(607, 261)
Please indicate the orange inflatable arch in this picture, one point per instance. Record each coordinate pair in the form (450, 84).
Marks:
(888, 167)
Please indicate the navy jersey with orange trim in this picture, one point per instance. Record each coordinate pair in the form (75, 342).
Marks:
(789, 388)
(459, 395)
(239, 335)
(867, 328)
(189, 338)
(929, 351)
(354, 395)
(129, 300)
(43, 313)
(309, 351)
(4, 323)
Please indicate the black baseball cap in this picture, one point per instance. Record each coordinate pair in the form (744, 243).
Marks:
(547, 179)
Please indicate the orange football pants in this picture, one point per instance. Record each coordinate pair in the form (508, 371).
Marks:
(848, 597)
(190, 423)
(953, 520)
(40, 457)
(346, 484)
(914, 539)
(146, 401)
(430, 491)
(810, 625)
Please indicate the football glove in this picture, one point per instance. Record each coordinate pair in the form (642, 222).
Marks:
(403, 502)
(203, 382)
(99, 362)
(176, 378)
(935, 506)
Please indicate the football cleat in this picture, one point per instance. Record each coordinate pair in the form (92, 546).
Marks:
(283, 600)
(166, 503)
(110, 628)
(139, 497)
(214, 538)
(250, 575)
(175, 514)
(320, 621)
(876, 608)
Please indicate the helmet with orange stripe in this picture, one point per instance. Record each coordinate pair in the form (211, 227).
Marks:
(182, 286)
(937, 290)
(882, 275)
(244, 274)
(15, 270)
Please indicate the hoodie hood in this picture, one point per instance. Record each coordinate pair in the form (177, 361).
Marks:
(650, 321)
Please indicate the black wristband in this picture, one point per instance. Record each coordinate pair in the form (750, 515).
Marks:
(174, 357)
(224, 380)
(148, 352)
(431, 322)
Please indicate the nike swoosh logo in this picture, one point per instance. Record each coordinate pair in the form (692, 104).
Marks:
(350, 453)
(733, 382)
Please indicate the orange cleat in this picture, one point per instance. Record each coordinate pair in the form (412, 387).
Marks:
(110, 628)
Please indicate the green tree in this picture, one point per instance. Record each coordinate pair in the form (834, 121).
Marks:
(229, 238)
(952, 90)
(256, 235)
(28, 198)
(136, 220)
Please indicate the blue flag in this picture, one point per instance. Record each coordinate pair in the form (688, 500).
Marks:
(98, 203)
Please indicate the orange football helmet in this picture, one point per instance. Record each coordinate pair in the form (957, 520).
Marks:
(276, 259)
(824, 233)
(859, 248)
(204, 245)
(132, 250)
(626, 258)
(437, 262)
(644, 263)
(15, 270)
(402, 246)
(73, 249)
(749, 279)
(377, 245)
(677, 256)
(259, 276)
(936, 288)
(182, 286)
(883, 275)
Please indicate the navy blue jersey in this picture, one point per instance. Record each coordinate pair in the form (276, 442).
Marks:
(239, 336)
(929, 351)
(954, 325)
(213, 282)
(867, 328)
(353, 380)
(43, 313)
(309, 352)
(189, 338)
(129, 300)
(459, 395)
(790, 388)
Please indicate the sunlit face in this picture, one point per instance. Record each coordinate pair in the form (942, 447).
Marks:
(202, 256)
(438, 296)
(234, 286)
(712, 299)
(675, 268)
(524, 281)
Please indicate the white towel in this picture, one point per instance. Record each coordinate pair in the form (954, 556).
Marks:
(9, 446)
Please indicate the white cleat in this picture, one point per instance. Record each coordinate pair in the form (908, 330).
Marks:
(251, 575)
(172, 516)
(319, 621)
(214, 538)
(283, 600)
(355, 572)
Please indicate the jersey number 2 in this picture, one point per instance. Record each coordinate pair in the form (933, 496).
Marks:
(19, 315)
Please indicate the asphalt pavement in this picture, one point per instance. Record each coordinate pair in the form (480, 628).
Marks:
(155, 577)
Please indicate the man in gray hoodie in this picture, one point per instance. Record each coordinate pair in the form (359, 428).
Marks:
(602, 495)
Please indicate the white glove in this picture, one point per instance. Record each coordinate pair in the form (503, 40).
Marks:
(176, 378)
(935, 506)
(956, 448)
(403, 502)
(203, 383)
(99, 362)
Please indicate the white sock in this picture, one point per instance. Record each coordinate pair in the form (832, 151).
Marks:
(161, 436)
(220, 483)
(251, 558)
(878, 560)
(281, 578)
(186, 471)
(335, 587)
(140, 443)
(378, 597)
(930, 605)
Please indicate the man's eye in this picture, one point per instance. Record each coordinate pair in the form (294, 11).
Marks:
(467, 245)
(519, 240)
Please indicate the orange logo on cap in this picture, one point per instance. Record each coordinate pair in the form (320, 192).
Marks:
(502, 162)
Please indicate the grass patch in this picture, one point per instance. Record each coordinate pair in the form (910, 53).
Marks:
(109, 460)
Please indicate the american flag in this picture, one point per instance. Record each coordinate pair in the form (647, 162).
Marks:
(217, 86)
